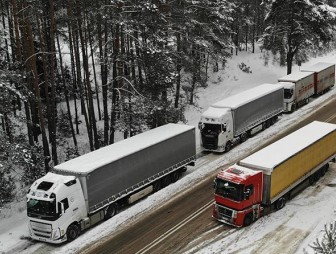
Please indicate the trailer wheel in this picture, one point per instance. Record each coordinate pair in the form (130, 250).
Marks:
(175, 176)
(280, 203)
(166, 181)
(157, 186)
(72, 232)
(248, 220)
(111, 211)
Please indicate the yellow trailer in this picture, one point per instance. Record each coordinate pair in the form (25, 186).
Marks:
(296, 157)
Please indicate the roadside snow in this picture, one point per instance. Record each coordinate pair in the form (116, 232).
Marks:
(13, 228)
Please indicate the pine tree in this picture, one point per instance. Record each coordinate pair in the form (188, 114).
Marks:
(294, 25)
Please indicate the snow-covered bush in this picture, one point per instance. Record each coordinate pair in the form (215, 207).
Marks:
(327, 244)
(7, 185)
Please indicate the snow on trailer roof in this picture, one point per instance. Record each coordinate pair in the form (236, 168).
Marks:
(242, 98)
(295, 76)
(214, 113)
(317, 67)
(86, 163)
(271, 156)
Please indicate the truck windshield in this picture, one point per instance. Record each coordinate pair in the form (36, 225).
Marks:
(288, 93)
(41, 209)
(229, 190)
(210, 128)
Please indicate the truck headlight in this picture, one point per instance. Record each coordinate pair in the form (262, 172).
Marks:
(234, 214)
(56, 234)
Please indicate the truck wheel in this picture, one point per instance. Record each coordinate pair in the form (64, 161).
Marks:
(157, 186)
(281, 202)
(228, 146)
(72, 232)
(166, 181)
(111, 211)
(248, 220)
(175, 176)
(243, 137)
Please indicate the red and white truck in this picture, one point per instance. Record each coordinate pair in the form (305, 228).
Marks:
(324, 76)
(264, 180)
(298, 88)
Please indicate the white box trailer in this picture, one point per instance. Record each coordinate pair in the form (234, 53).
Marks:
(233, 119)
(324, 76)
(83, 191)
(298, 88)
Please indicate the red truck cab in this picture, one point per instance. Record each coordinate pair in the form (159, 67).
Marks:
(238, 196)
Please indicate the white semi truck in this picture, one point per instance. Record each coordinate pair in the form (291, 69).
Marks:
(299, 87)
(83, 191)
(235, 118)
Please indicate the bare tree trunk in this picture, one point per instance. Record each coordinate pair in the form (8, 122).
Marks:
(31, 66)
(87, 76)
(66, 95)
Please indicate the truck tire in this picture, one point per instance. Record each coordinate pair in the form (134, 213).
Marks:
(243, 137)
(228, 146)
(111, 211)
(175, 176)
(72, 232)
(248, 219)
(280, 203)
(157, 186)
(166, 181)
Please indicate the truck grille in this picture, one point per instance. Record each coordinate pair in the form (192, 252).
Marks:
(210, 141)
(224, 212)
(41, 229)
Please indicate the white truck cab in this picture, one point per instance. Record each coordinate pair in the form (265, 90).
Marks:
(53, 203)
(216, 129)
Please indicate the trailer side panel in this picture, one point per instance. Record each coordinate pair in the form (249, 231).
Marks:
(254, 112)
(301, 164)
(134, 171)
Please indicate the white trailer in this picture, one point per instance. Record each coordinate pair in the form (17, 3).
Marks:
(298, 88)
(235, 118)
(83, 191)
(324, 76)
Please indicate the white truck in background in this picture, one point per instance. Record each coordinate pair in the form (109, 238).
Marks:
(235, 118)
(85, 190)
(324, 76)
(298, 88)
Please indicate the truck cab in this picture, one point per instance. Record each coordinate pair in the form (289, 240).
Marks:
(216, 129)
(55, 204)
(238, 196)
(289, 96)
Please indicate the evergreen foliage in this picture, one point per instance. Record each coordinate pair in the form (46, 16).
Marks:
(294, 26)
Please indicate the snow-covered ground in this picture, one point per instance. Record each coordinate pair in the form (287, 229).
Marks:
(13, 228)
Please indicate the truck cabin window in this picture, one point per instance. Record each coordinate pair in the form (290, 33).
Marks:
(229, 190)
(288, 93)
(212, 128)
(42, 209)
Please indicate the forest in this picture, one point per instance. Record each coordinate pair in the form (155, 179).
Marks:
(130, 65)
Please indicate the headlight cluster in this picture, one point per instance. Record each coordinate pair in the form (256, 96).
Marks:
(56, 234)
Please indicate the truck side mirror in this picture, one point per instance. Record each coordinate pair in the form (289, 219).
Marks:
(247, 194)
(61, 208)
(224, 127)
(200, 126)
(214, 184)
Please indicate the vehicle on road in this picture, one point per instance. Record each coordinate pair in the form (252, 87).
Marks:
(298, 88)
(324, 76)
(90, 188)
(267, 178)
(234, 119)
